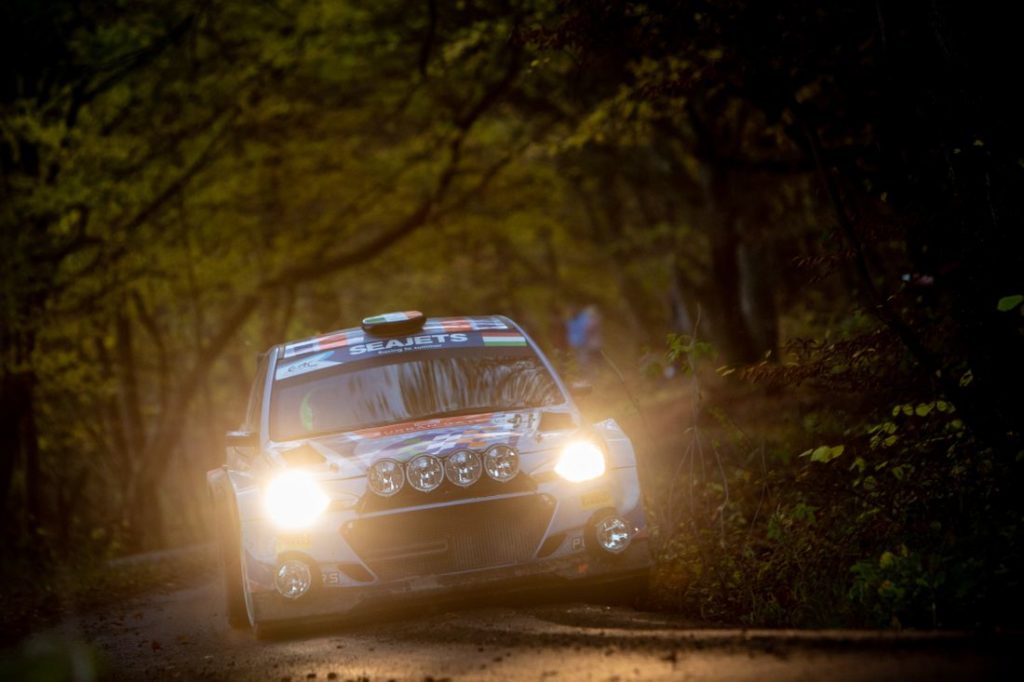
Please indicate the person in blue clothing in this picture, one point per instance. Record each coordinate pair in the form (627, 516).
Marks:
(583, 332)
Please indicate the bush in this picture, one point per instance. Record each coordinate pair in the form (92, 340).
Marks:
(857, 504)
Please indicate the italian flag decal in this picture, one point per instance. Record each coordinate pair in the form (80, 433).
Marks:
(503, 339)
(393, 317)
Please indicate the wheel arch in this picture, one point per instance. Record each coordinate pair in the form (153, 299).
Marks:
(222, 494)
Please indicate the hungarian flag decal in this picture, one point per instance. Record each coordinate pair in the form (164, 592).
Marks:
(503, 339)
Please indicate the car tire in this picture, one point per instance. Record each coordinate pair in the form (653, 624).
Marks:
(231, 566)
(260, 630)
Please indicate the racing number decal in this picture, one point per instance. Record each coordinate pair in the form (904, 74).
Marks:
(293, 541)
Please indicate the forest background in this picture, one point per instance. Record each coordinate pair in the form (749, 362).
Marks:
(810, 211)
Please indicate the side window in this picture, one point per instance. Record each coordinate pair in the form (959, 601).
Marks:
(252, 414)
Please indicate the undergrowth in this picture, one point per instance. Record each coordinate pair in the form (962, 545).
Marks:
(830, 490)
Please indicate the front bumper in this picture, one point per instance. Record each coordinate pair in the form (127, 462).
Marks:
(531, 536)
(324, 602)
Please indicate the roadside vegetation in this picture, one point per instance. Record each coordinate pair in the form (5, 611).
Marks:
(804, 506)
(800, 227)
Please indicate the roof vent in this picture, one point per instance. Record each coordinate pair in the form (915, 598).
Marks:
(394, 324)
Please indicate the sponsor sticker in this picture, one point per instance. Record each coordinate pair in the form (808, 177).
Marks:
(286, 541)
(334, 340)
(449, 325)
(418, 342)
(310, 364)
(340, 339)
(464, 324)
(424, 425)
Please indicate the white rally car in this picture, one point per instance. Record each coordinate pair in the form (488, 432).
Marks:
(416, 455)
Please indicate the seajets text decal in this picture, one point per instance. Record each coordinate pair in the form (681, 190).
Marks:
(358, 351)
(400, 345)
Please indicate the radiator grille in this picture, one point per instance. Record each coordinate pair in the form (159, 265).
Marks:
(451, 539)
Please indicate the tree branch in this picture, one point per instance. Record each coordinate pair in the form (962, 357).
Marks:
(168, 431)
(428, 42)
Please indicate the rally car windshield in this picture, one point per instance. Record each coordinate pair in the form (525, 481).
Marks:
(365, 394)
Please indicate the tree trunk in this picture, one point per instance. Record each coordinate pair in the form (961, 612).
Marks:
(757, 295)
(729, 325)
(18, 443)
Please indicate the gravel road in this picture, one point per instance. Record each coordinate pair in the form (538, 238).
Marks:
(181, 633)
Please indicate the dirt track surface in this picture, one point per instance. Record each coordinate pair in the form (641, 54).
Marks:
(182, 634)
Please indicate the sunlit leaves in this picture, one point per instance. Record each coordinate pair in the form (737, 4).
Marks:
(1008, 303)
(824, 453)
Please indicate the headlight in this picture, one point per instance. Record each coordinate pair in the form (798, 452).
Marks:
(501, 463)
(386, 477)
(425, 473)
(294, 500)
(580, 461)
(463, 468)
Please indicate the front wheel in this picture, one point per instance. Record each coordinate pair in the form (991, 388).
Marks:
(260, 629)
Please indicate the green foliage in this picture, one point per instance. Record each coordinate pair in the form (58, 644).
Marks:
(1008, 303)
(896, 584)
(687, 352)
(824, 453)
(902, 518)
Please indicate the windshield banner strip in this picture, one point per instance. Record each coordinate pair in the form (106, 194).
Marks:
(343, 352)
(352, 337)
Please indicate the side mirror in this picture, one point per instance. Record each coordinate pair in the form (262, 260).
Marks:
(241, 439)
(581, 389)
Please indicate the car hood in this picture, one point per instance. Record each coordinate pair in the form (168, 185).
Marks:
(351, 454)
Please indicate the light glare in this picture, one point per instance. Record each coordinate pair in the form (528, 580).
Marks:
(580, 461)
(294, 500)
